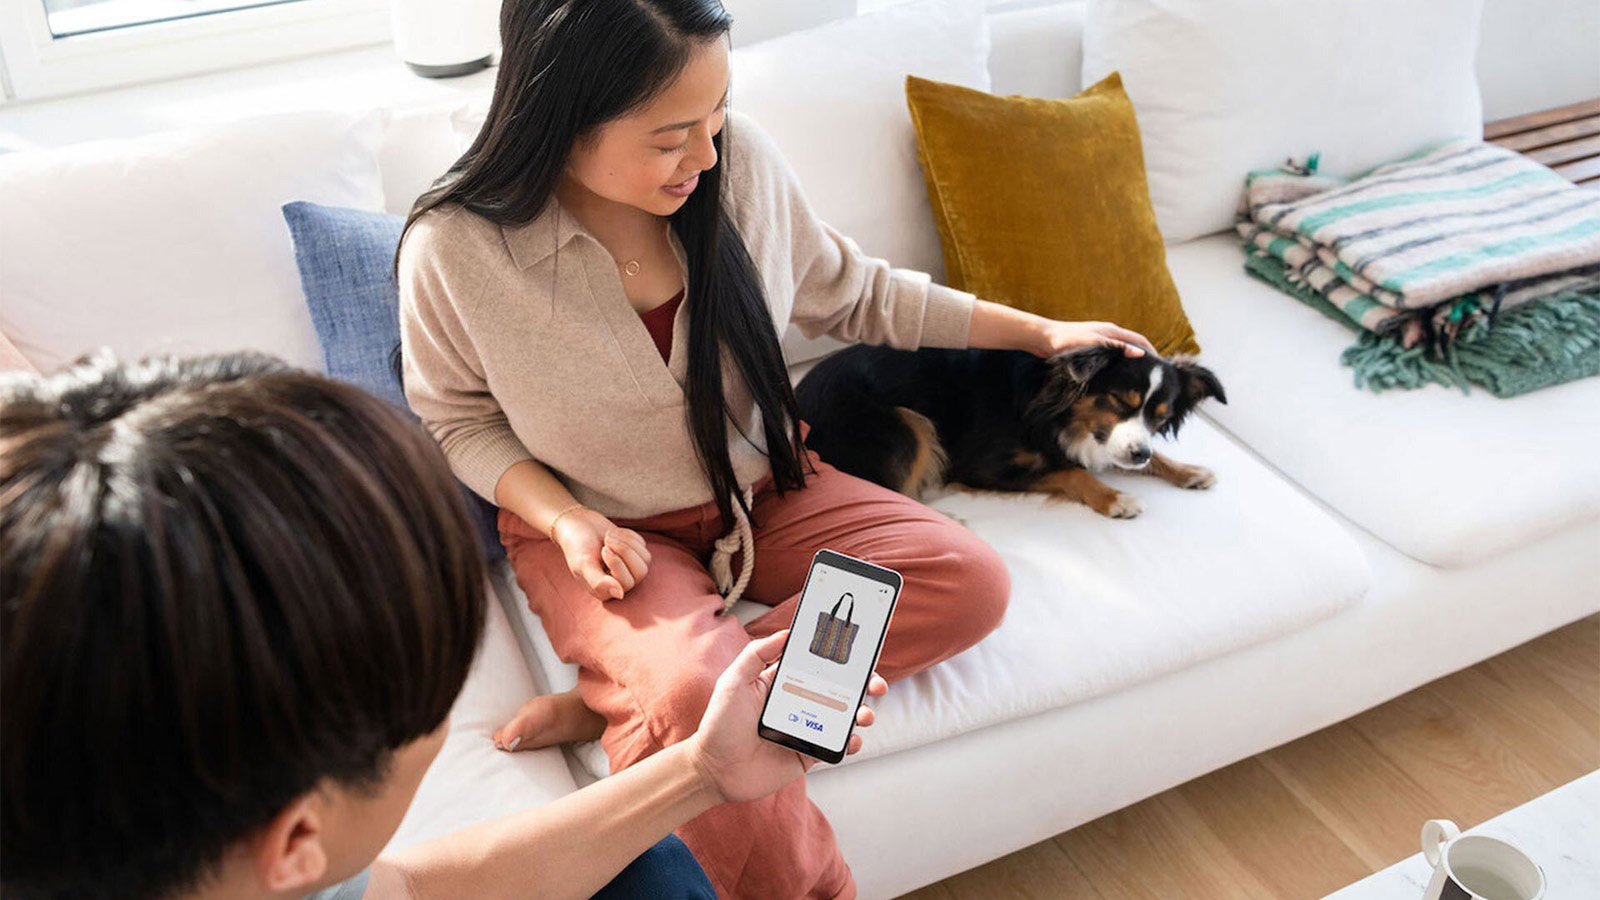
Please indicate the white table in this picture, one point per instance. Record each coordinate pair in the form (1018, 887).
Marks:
(1560, 830)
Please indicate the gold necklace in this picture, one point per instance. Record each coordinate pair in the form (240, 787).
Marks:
(631, 267)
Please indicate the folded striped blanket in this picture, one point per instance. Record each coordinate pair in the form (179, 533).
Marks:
(1432, 248)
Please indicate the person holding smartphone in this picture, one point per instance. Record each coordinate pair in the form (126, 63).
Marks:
(591, 299)
(825, 671)
(237, 603)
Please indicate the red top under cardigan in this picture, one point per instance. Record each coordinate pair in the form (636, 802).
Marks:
(659, 321)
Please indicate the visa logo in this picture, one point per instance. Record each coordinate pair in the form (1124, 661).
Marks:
(813, 724)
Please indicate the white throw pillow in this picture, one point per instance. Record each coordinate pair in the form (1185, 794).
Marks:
(174, 242)
(1225, 86)
(834, 99)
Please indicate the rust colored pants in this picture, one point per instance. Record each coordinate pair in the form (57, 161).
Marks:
(647, 662)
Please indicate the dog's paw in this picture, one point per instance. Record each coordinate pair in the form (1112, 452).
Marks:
(1197, 478)
(1124, 506)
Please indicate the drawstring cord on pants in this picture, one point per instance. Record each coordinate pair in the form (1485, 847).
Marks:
(737, 538)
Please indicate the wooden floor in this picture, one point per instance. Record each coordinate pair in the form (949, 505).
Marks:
(1307, 818)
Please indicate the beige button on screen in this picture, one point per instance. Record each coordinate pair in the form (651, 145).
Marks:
(824, 699)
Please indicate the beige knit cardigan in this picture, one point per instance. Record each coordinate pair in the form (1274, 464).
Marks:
(512, 350)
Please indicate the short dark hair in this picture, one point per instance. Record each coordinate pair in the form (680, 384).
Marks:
(222, 581)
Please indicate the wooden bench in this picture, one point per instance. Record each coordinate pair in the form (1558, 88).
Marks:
(1567, 139)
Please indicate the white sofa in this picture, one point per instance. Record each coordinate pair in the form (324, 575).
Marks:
(1355, 547)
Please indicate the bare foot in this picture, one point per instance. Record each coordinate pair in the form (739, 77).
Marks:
(549, 720)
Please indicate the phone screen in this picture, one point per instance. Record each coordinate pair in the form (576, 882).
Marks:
(833, 646)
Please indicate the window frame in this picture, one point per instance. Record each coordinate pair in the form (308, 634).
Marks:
(35, 64)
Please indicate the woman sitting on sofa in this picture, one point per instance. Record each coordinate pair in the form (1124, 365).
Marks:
(590, 312)
(237, 602)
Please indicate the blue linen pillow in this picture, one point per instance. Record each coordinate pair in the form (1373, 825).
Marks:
(346, 260)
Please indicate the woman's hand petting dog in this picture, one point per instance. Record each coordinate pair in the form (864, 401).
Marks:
(606, 559)
(1058, 337)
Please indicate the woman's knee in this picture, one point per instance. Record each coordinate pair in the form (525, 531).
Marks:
(982, 586)
(683, 694)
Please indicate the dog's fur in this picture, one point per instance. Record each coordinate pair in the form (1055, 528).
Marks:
(1004, 420)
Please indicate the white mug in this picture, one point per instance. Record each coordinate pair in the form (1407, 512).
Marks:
(1476, 866)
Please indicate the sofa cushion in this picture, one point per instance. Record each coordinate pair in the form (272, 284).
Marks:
(1037, 50)
(1060, 225)
(833, 97)
(1099, 604)
(1446, 478)
(1226, 86)
(346, 262)
(346, 259)
(173, 242)
(470, 781)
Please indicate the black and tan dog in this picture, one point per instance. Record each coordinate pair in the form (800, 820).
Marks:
(1004, 420)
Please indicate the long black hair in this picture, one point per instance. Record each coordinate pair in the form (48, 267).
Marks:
(570, 66)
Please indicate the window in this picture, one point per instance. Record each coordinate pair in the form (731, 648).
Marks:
(54, 47)
(69, 17)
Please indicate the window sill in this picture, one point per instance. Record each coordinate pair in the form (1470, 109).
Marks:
(346, 80)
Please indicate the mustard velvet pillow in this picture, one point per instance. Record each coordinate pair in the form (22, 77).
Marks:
(1042, 205)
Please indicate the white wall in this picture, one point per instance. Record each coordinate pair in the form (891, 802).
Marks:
(1536, 54)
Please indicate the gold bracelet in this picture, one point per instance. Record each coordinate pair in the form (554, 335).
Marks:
(552, 532)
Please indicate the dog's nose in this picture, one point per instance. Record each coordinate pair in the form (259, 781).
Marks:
(1141, 455)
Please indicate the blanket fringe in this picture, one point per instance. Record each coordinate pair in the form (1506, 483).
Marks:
(1541, 343)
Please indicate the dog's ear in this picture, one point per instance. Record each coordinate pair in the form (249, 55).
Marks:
(1066, 377)
(1083, 363)
(1197, 381)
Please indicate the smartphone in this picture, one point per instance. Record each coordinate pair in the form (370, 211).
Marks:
(833, 646)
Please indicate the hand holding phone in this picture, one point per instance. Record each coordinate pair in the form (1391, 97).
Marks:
(829, 660)
(727, 750)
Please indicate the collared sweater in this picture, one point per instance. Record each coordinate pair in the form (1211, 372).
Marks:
(518, 341)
